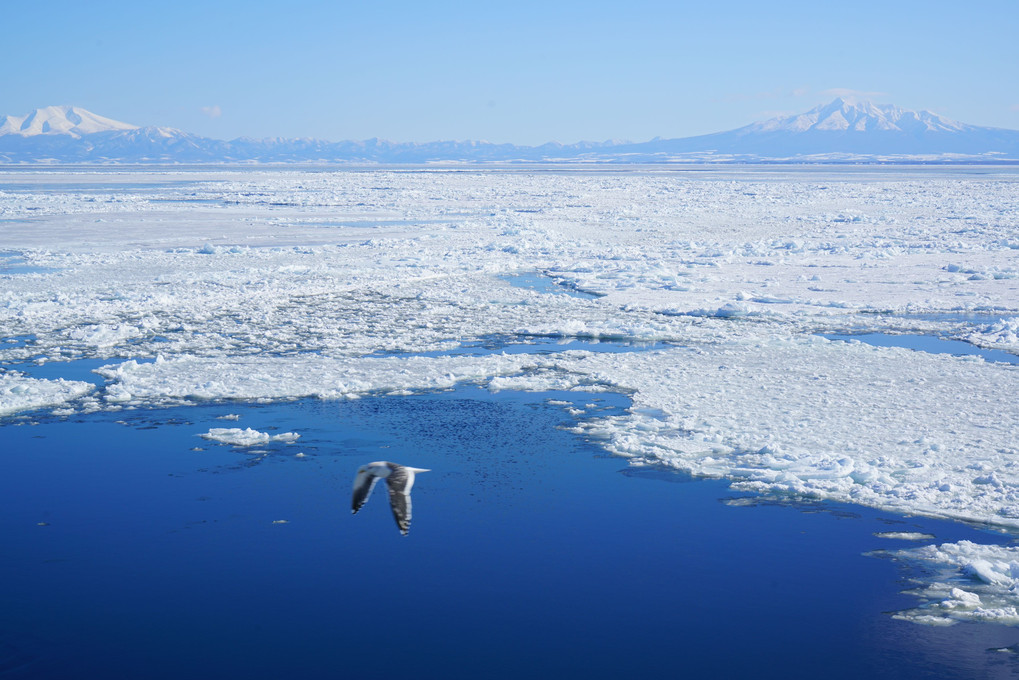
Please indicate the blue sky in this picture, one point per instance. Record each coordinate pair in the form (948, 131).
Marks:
(523, 72)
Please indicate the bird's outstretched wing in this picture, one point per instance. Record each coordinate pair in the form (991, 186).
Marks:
(399, 483)
(363, 485)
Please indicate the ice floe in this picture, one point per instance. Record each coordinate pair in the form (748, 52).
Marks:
(970, 582)
(1003, 334)
(905, 535)
(19, 393)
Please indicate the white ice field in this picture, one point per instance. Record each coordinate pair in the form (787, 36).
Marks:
(281, 284)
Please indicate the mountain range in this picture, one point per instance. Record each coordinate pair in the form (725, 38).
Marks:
(842, 131)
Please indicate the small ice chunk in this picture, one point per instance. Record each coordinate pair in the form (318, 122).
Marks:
(962, 598)
(246, 437)
(905, 535)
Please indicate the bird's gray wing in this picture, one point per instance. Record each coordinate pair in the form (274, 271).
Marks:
(363, 485)
(399, 482)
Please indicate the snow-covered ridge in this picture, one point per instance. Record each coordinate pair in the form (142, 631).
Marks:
(60, 120)
(846, 114)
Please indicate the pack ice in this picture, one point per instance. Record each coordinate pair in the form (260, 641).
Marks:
(282, 284)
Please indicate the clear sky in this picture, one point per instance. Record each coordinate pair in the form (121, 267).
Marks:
(522, 71)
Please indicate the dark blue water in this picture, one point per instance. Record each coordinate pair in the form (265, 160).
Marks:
(127, 554)
(927, 343)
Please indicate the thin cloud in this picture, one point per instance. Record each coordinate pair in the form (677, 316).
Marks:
(212, 111)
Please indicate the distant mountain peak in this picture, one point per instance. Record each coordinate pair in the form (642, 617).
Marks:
(60, 120)
(848, 115)
(842, 130)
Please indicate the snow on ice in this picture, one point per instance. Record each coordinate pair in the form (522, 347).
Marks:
(235, 436)
(21, 393)
(278, 284)
(970, 582)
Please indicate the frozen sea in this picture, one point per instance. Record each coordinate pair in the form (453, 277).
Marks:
(692, 421)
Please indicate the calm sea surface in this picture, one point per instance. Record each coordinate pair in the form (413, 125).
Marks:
(129, 554)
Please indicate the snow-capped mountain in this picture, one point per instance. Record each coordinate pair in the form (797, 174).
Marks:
(60, 120)
(843, 115)
(840, 131)
(70, 134)
(850, 130)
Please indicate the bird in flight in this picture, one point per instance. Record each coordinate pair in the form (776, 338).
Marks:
(399, 480)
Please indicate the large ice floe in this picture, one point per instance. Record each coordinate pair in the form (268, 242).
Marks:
(283, 284)
(21, 393)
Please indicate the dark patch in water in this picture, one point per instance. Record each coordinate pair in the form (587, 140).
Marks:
(659, 474)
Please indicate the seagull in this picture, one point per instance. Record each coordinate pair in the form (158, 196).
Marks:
(398, 478)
